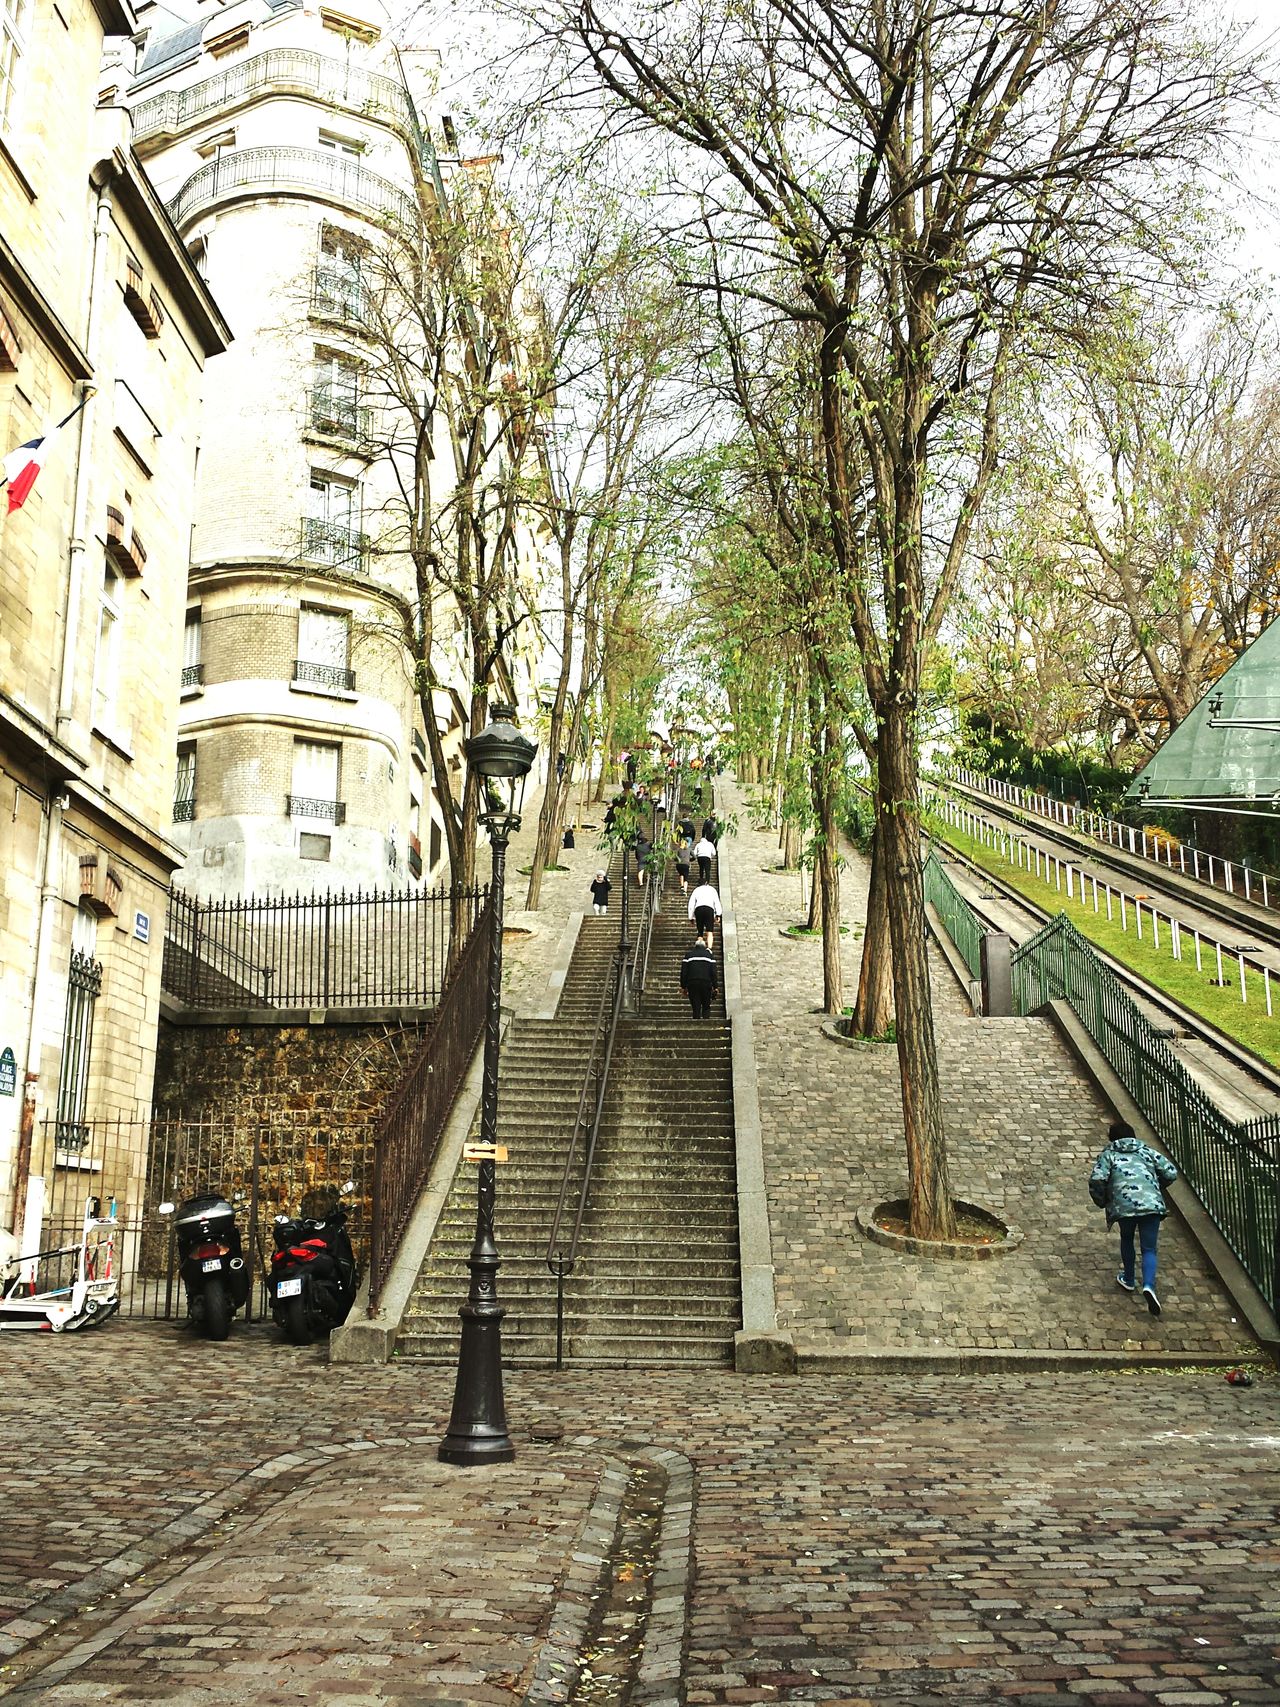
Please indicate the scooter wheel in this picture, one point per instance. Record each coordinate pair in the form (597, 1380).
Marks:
(292, 1317)
(217, 1309)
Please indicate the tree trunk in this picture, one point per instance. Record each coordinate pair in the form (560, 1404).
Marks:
(931, 1210)
(874, 1008)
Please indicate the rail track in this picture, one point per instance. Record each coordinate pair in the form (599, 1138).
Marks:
(1240, 1082)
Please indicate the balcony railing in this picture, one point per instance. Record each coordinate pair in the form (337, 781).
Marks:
(335, 546)
(184, 806)
(324, 675)
(310, 172)
(339, 414)
(193, 675)
(306, 806)
(336, 295)
(281, 70)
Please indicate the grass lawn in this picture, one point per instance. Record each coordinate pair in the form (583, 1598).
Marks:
(1248, 1022)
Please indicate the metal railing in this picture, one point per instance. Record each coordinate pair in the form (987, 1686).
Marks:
(281, 70)
(324, 675)
(336, 295)
(1234, 1169)
(337, 411)
(644, 936)
(1237, 878)
(409, 1134)
(963, 925)
(308, 806)
(383, 949)
(290, 171)
(184, 806)
(586, 1132)
(192, 675)
(336, 546)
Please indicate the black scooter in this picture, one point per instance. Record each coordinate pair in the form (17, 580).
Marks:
(313, 1273)
(211, 1262)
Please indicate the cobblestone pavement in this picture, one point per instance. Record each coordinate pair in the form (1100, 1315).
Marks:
(1023, 1126)
(194, 1524)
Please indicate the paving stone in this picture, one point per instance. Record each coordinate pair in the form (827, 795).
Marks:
(1023, 1127)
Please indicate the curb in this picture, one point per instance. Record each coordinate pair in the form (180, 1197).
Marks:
(759, 1348)
(1003, 1361)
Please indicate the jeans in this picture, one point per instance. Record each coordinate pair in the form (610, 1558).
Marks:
(704, 869)
(1148, 1227)
(700, 1000)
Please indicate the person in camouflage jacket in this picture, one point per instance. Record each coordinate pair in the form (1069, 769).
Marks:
(1128, 1181)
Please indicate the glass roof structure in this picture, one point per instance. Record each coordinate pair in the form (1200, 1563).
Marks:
(1224, 756)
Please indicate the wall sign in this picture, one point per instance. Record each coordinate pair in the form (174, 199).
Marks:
(142, 926)
(8, 1073)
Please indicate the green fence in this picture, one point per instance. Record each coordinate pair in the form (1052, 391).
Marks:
(1233, 1169)
(963, 925)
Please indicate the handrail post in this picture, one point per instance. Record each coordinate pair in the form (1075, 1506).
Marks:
(560, 1312)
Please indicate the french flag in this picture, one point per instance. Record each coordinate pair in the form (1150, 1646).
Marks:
(22, 465)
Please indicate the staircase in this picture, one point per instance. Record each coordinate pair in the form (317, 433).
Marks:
(657, 1280)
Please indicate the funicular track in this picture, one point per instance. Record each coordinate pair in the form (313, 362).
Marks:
(1228, 1069)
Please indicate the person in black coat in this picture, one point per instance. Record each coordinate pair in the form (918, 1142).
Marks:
(699, 977)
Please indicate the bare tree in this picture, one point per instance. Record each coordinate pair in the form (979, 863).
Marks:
(931, 179)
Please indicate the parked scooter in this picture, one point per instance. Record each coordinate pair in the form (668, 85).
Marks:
(313, 1273)
(211, 1262)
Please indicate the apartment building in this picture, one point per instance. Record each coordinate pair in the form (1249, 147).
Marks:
(105, 320)
(284, 136)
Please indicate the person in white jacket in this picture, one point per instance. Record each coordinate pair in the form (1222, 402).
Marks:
(704, 851)
(704, 910)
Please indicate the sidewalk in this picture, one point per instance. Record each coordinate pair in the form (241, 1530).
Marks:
(202, 1525)
(1023, 1127)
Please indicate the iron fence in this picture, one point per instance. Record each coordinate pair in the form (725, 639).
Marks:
(1234, 1169)
(962, 923)
(313, 951)
(409, 1134)
(295, 1162)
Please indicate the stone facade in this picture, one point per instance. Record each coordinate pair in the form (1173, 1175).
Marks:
(282, 135)
(101, 306)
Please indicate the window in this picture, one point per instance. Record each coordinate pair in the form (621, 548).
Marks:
(198, 249)
(230, 41)
(84, 983)
(315, 781)
(324, 648)
(351, 146)
(184, 792)
(331, 532)
(106, 669)
(13, 41)
(335, 394)
(337, 288)
(192, 666)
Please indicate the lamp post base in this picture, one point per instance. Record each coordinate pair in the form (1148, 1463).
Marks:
(478, 1424)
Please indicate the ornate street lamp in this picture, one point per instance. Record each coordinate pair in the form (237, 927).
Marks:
(502, 757)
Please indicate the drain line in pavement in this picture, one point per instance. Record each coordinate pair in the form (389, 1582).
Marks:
(619, 1618)
(617, 1633)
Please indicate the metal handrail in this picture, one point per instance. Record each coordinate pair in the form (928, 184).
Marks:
(599, 1060)
(644, 937)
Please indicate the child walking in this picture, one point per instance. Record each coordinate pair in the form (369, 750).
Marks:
(600, 888)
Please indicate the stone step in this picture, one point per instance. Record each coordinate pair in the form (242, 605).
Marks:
(583, 1351)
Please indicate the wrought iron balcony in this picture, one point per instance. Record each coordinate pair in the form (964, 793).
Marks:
(306, 806)
(324, 675)
(280, 71)
(313, 173)
(193, 675)
(339, 414)
(336, 295)
(415, 857)
(335, 546)
(184, 806)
